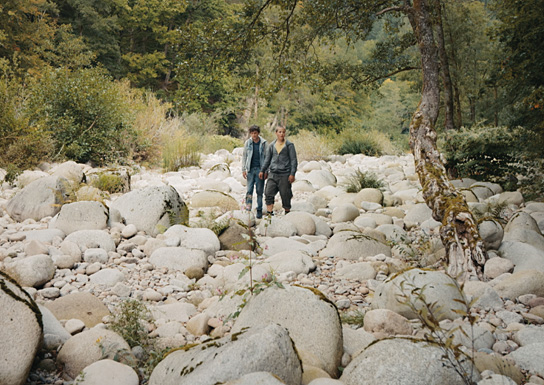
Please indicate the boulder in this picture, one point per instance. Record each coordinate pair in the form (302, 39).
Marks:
(496, 266)
(355, 341)
(69, 170)
(361, 271)
(521, 282)
(152, 209)
(180, 312)
(404, 362)
(302, 221)
(383, 322)
(90, 346)
(195, 238)
(257, 378)
(491, 233)
(179, 258)
(276, 227)
(210, 198)
(20, 332)
(236, 237)
(52, 328)
(297, 261)
(31, 271)
(107, 277)
(368, 195)
(82, 305)
(353, 245)
(417, 214)
(297, 309)
(90, 239)
(86, 215)
(344, 213)
(107, 372)
(523, 256)
(530, 358)
(396, 294)
(264, 348)
(39, 199)
(278, 245)
(321, 178)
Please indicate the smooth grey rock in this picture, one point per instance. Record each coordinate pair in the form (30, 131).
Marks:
(396, 293)
(295, 308)
(195, 238)
(180, 312)
(45, 236)
(302, 221)
(20, 332)
(523, 256)
(209, 198)
(368, 195)
(256, 378)
(529, 335)
(51, 325)
(417, 214)
(276, 227)
(39, 199)
(386, 322)
(87, 239)
(95, 255)
(485, 295)
(321, 178)
(107, 372)
(520, 283)
(355, 341)
(85, 215)
(278, 245)
(179, 258)
(496, 266)
(265, 348)
(344, 213)
(90, 346)
(32, 271)
(530, 358)
(152, 209)
(491, 233)
(297, 261)
(69, 170)
(107, 277)
(353, 245)
(361, 271)
(83, 306)
(406, 363)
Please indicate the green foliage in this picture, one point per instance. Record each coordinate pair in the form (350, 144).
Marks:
(361, 179)
(130, 322)
(495, 154)
(312, 146)
(109, 182)
(180, 151)
(355, 318)
(436, 335)
(211, 144)
(86, 113)
(21, 146)
(371, 143)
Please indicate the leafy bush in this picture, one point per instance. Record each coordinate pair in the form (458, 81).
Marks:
(109, 182)
(130, 322)
(312, 146)
(181, 150)
(496, 154)
(360, 180)
(371, 143)
(86, 112)
(22, 146)
(211, 144)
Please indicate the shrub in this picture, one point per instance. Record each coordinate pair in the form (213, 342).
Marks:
(130, 322)
(496, 154)
(312, 146)
(86, 111)
(360, 180)
(109, 182)
(211, 144)
(181, 150)
(371, 143)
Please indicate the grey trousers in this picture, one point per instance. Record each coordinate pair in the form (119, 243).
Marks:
(280, 183)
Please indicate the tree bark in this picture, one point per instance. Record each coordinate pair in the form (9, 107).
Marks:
(444, 69)
(465, 251)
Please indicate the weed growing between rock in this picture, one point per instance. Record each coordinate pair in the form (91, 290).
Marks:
(360, 180)
(455, 354)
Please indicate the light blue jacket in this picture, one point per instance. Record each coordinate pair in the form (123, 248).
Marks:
(248, 153)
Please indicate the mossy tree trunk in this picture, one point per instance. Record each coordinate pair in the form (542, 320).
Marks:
(459, 232)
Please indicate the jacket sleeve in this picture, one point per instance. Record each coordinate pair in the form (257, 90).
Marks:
(293, 159)
(267, 158)
(244, 158)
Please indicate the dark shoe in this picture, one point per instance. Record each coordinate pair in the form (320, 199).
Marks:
(259, 214)
(270, 214)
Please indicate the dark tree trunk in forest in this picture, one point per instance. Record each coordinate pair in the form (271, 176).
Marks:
(449, 123)
(459, 232)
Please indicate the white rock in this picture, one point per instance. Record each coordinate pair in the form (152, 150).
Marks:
(107, 372)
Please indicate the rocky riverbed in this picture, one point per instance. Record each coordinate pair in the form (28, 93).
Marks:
(348, 288)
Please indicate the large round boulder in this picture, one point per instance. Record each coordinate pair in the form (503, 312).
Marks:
(85, 215)
(415, 290)
(152, 209)
(297, 309)
(20, 332)
(264, 348)
(354, 245)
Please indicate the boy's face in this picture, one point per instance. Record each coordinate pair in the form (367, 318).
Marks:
(280, 134)
(254, 135)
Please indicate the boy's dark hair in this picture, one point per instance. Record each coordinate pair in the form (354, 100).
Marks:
(254, 128)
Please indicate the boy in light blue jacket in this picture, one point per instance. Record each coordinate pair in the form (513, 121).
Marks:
(252, 161)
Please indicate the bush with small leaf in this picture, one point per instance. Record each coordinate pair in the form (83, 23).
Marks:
(360, 180)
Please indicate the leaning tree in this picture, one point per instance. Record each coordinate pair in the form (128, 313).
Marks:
(297, 23)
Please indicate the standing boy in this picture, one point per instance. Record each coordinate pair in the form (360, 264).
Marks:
(252, 160)
(281, 165)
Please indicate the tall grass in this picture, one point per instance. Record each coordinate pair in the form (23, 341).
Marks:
(312, 146)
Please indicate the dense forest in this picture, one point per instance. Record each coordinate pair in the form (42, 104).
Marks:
(123, 81)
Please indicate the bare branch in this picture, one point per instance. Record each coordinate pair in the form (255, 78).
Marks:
(369, 79)
(404, 9)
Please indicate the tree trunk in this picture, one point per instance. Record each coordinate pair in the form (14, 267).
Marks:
(444, 69)
(465, 251)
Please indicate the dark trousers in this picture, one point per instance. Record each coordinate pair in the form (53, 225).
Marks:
(280, 183)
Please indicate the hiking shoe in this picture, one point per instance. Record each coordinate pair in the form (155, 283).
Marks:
(259, 214)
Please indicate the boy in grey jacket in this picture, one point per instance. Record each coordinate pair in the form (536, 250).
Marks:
(280, 166)
(252, 160)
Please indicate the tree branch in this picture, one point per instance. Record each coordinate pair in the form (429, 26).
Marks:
(403, 9)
